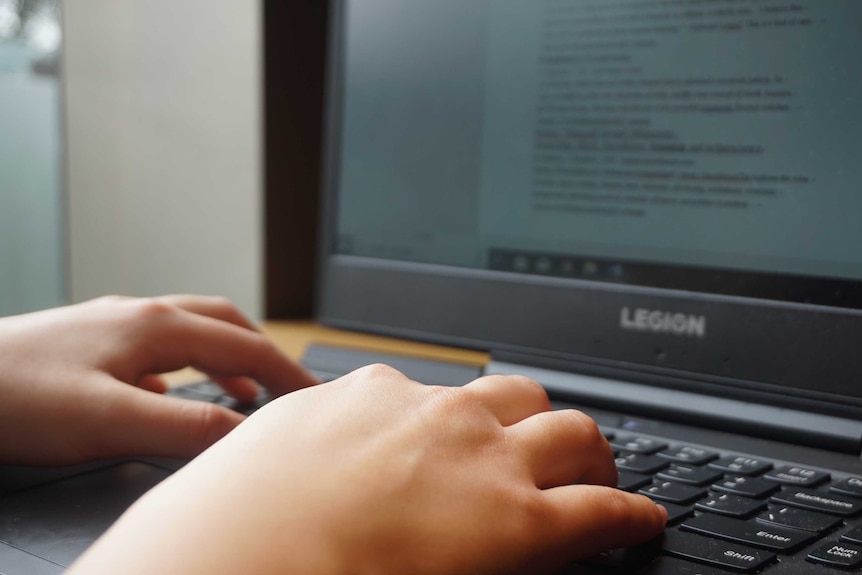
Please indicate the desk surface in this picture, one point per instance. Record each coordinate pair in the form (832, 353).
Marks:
(293, 337)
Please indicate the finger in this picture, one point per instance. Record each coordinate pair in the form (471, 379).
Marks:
(565, 447)
(157, 425)
(153, 383)
(174, 338)
(240, 388)
(589, 519)
(511, 398)
(209, 306)
(216, 307)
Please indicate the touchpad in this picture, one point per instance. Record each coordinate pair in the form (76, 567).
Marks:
(58, 521)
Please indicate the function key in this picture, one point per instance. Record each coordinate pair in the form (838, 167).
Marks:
(741, 465)
(851, 486)
(745, 486)
(816, 501)
(799, 476)
(689, 454)
(643, 445)
(690, 475)
(842, 555)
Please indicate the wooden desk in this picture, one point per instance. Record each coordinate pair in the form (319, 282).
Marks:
(293, 337)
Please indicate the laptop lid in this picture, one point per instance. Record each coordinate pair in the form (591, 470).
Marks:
(666, 195)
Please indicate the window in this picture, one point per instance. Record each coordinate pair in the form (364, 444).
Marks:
(31, 215)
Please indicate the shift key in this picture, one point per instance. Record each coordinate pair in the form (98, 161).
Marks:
(716, 552)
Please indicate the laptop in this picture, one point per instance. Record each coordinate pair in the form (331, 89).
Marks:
(651, 208)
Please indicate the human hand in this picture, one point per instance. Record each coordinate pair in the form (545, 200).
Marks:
(376, 474)
(63, 374)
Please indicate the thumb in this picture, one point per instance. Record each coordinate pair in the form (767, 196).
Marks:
(591, 519)
(145, 423)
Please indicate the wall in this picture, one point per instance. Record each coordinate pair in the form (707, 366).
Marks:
(162, 103)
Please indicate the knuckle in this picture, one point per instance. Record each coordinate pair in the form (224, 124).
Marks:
(150, 309)
(534, 389)
(527, 390)
(378, 371)
(377, 377)
(223, 303)
(586, 426)
(467, 418)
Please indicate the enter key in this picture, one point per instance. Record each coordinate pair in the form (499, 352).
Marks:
(749, 532)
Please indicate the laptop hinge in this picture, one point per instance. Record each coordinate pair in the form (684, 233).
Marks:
(755, 419)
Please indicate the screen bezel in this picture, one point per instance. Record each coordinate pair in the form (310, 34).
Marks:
(788, 352)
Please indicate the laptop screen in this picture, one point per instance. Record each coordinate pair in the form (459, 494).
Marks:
(668, 190)
(705, 147)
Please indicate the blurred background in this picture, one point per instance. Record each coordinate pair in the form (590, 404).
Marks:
(130, 150)
(166, 146)
(31, 247)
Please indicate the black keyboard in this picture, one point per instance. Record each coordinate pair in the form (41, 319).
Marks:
(212, 393)
(728, 512)
(734, 513)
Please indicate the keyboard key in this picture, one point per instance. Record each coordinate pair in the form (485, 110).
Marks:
(716, 552)
(741, 465)
(676, 513)
(629, 481)
(749, 532)
(745, 486)
(799, 519)
(625, 559)
(830, 503)
(690, 475)
(674, 492)
(665, 565)
(208, 388)
(843, 555)
(731, 505)
(642, 445)
(853, 536)
(639, 463)
(798, 476)
(244, 407)
(193, 392)
(851, 486)
(689, 454)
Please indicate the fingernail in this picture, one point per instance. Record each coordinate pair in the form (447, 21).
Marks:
(663, 510)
